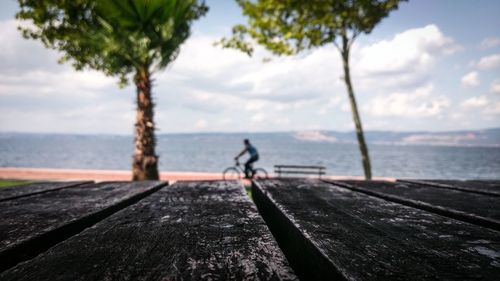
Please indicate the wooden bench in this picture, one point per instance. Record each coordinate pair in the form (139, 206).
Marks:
(211, 230)
(281, 170)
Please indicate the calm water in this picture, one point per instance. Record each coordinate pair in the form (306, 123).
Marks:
(214, 152)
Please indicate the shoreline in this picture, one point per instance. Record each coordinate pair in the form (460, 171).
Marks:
(123, 175)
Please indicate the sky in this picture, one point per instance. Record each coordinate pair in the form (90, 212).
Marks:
(430, 66)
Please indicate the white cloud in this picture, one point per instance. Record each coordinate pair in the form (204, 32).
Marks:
(208, 88)
(495, 86)
(282, 88)
(285, 80)
(255, 105)
(53, 83)
(489, 62)
(226, 121)
(293, 79)
(288, 86)
(282, 121)
(414, 104)
(107, 118)
(332, 103)
(410, 50)
(29, 69)
(471, 79)
(258, 117)
(403, 61)
(475, 102)
(345, 107)
(200, 124)
(493, 109)
(490, 42)
(39, 95)
(19, 55)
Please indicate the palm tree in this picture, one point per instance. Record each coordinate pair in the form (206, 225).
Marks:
(118, 37)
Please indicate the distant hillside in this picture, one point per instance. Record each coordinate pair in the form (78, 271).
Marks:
(487, 137)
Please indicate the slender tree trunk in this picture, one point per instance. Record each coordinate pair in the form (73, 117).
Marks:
(365, 158)
(145, 161)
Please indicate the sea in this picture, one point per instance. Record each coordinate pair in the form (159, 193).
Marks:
(213, 152)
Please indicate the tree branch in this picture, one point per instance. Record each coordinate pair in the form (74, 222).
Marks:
(351, 41)
(337, 46)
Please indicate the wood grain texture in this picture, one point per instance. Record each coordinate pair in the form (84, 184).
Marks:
(479, 209)
(30, 225)
(332, 233)
(18, 191)
(187, 231)
(486, 187)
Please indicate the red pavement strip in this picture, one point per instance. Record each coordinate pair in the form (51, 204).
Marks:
(119, 175)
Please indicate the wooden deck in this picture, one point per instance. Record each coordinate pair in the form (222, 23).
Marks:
(307, 229)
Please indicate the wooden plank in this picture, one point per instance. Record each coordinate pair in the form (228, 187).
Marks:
(487, 187)
(18, 191)
(300, 172)
(300, 167)
(332, 233)
(474, 208)
(30, 225)
(490, 184)
(188, 231)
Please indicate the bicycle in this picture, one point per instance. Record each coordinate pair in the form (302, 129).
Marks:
(235, 172)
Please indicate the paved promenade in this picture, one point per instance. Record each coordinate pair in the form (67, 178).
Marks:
(119, 175)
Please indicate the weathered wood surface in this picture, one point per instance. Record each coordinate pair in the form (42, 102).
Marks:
(30, 225)
(332, 233)
(487, 187)
(18, 191)
(475, 208)
(187, 231)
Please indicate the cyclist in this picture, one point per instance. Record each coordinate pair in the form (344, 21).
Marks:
(254, 156)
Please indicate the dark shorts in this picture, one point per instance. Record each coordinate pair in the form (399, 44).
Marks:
(252, 159)
(248, 165)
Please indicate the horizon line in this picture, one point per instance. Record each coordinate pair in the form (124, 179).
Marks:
(253, 132)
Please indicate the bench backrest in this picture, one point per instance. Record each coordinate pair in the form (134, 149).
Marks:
(299, 169)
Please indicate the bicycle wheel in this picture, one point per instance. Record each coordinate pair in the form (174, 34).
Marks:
(231, 173)
(260, 174)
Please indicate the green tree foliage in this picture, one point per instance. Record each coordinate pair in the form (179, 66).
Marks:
(119, 38)
(287, 27)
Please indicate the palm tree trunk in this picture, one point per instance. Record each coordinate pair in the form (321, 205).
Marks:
(145, 161)
(365, 158)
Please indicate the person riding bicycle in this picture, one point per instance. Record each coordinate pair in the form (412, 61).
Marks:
(254, 156)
